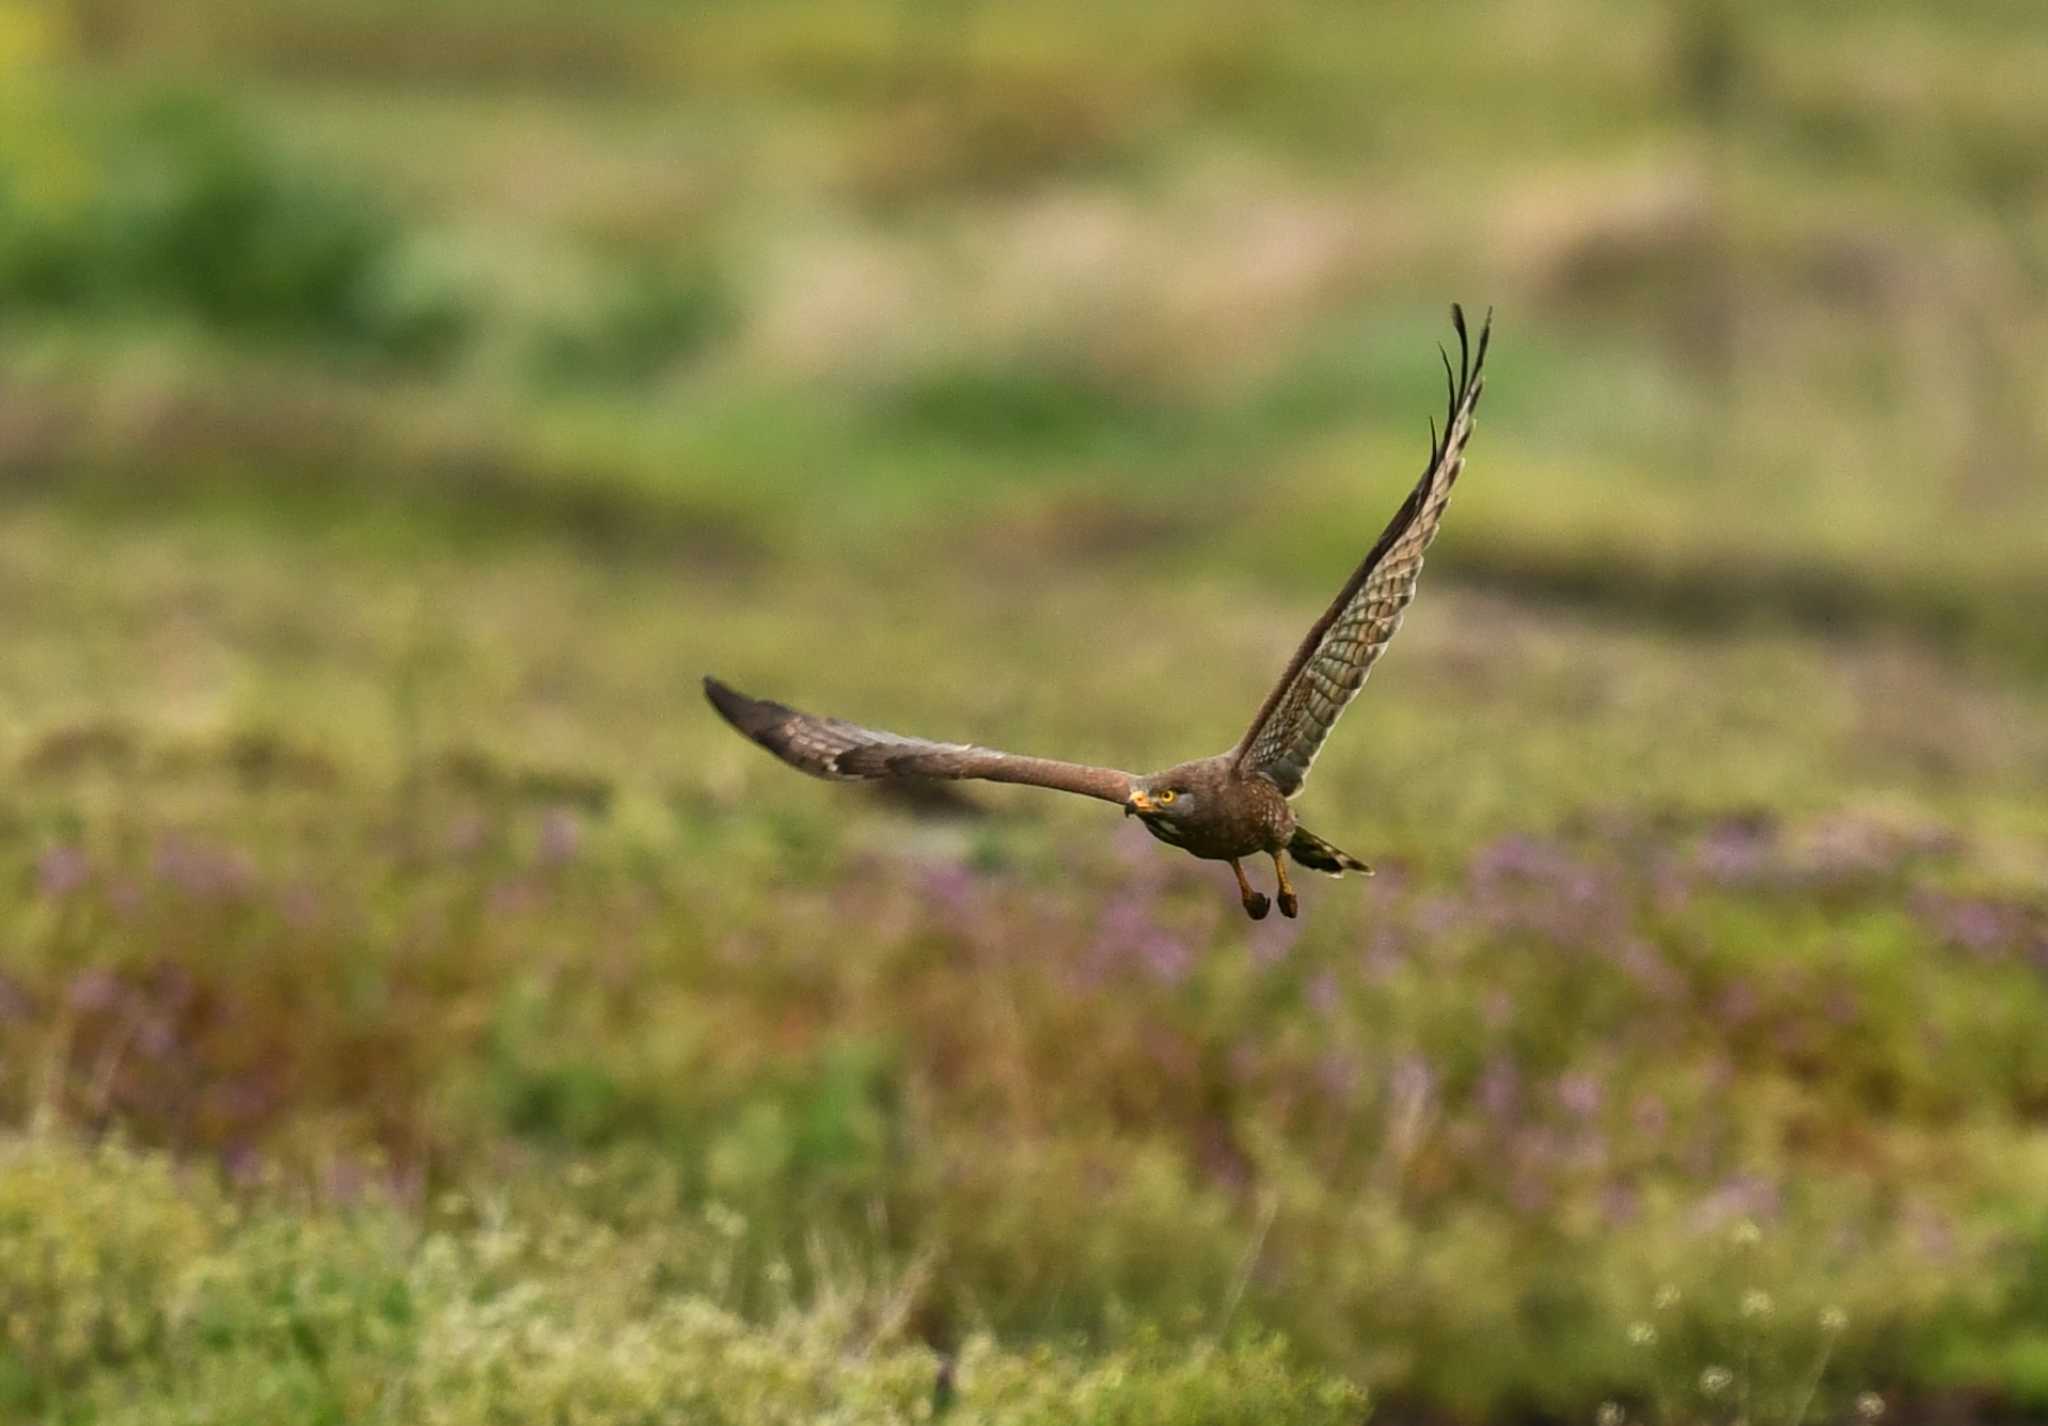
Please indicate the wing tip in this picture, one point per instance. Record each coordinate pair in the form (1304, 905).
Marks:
(1458, 317)
(1485, 336)
(726, 699)
(1469, 381)
(751, 716)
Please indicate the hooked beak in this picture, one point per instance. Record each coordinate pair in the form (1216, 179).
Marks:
(1139, 802)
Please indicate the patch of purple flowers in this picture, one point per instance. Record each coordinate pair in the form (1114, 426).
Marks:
(62, 871)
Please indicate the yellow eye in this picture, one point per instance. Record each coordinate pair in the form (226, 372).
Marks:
(1165, 799)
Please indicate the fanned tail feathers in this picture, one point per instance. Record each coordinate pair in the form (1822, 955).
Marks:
(1318, 855)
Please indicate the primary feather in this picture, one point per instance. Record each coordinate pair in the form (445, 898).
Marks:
(1332, 663)
(834, 748)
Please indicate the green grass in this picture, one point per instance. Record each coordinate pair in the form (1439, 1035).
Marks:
(416, 1005)
(441, 880)
(144, 1295)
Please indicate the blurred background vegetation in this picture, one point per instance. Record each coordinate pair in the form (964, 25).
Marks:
(414, 1005)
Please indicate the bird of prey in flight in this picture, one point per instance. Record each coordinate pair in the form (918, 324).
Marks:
(1224, 808)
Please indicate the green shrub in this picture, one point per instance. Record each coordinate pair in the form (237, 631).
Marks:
(134, 1293)
(1035, 408)
(182, 208)
(644, 321)
(93, 1248)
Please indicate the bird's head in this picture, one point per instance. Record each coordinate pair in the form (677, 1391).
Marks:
(1163, 797)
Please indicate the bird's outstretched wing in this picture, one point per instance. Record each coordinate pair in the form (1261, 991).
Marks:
(1330, 666)
(834, 748)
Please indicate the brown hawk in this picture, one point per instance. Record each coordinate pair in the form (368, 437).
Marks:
(1227, 807)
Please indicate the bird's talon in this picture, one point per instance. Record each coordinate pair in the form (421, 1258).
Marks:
(1290, 904)
(1256, 906)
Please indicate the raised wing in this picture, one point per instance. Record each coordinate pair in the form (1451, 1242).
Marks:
(836, 749)
(1330, 666)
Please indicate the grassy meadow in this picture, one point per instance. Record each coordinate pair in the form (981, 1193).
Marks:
(415, 1006)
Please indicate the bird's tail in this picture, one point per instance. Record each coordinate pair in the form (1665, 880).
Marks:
(1318, 855)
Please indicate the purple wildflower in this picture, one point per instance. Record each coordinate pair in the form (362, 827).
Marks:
(467, 835)
(1412, 1084)
(156, 1037)
(1670, 885)
(1983, 925)
(1846, 847)
(1130, 934)
(1534, 1156)
(242, 1164)
(1738, 851)
(95, 990)
(1650, 1117)
(515, 897)
(1932, 1230)
(1977, 925)
(1522, 883)
(1738, 1004)
(561, 836)
(1246, 1062)
(1747, 1196)
(1580, 1093)
(1437, 915)
(952, 887)
(1340, 1074)
(1619, 1204)
(60, 871)
(15, 1002)
(1168, 958)
(202, 872)
(1385, 949)
(1519, 858)
(300, 905)
(1649, 970)
(1500, 1088)
(1273, 938)
(125, 897)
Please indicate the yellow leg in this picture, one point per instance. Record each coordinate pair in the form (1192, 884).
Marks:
(1290, 905)
(1255, 903)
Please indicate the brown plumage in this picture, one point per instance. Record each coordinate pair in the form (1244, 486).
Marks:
(1223, 808)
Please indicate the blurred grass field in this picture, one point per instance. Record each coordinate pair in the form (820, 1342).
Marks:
(418, 1007)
